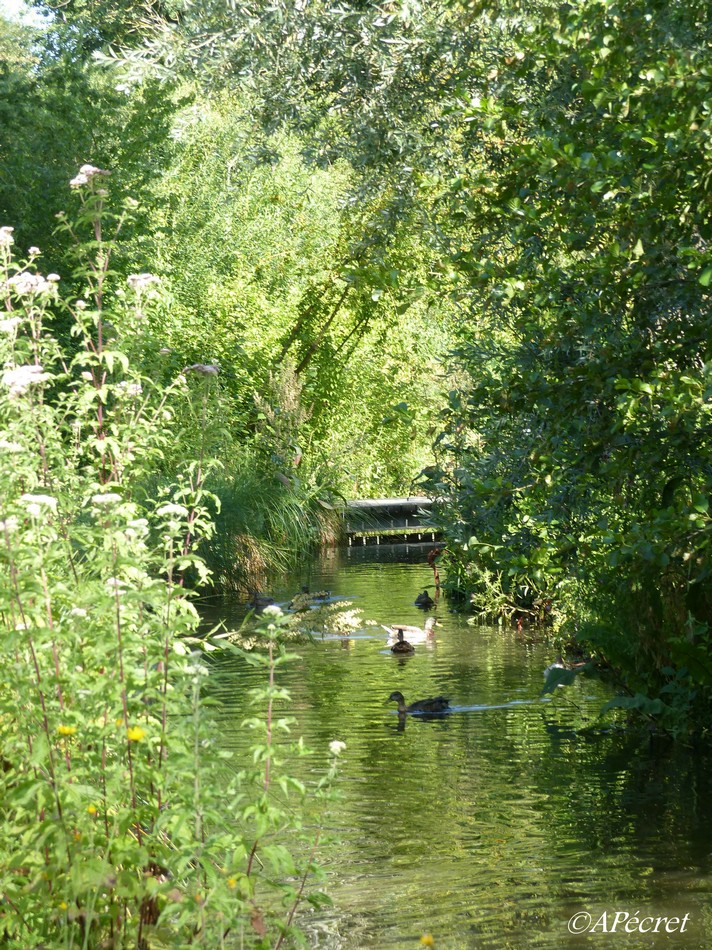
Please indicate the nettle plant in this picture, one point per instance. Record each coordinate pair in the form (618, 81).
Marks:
(122, 823)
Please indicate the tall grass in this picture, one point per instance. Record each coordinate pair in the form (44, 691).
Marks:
(265, 526)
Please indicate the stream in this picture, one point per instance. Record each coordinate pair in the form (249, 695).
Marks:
(500, 825)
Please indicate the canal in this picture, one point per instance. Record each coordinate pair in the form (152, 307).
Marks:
(500, 825)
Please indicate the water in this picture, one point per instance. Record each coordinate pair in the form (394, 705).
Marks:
(492, 826)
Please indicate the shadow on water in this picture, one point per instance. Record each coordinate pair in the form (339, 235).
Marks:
(495, 823)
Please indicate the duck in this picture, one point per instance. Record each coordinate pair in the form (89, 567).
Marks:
(561, 664)
(402, 646)
(259, 601)
(424, 600)
(435, 704)
(415, 634)
(558, 664)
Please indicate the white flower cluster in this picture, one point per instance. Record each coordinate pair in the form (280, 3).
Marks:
(204, 369)
(139, 282)
(36, 503)
(7, 326)
(27, 284)
(106, 498)
(19, 379)
(85, 175)
(6, 238)
(125, 388)
(12, 447)
(177, 511)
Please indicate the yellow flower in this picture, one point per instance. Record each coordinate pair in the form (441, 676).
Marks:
(427, 940)
(119, 722)
(66, 730)
(92, 809)
(63, 905)
(232, 882)
(135, 733)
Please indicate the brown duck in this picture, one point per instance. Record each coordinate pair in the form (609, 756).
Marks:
(401, 646)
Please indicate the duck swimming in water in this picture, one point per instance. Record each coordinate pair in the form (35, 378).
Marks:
(435, 704)
(259, 601)
(402, 646)
(414, 634)
(424, 600)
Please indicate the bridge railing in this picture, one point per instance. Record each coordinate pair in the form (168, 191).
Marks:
(379, 520)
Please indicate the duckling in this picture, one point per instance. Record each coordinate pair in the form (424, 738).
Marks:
(436, 704)
(402, 646)
(424, 600)
(415, 634)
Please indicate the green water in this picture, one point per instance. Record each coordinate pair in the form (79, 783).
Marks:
(492, 826)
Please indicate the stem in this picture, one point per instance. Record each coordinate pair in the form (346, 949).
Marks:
(124, 699)
(300, 892)
(268, 759)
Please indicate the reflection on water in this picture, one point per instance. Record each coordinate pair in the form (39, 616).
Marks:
(491, 825)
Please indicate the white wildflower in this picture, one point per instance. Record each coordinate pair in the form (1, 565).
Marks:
(107, 498)
(125, 388)
(81, 304)
(9, 525)
(35, 504)
(337, 747)
(33, 251)
(88, 376)
(7, 326)
(19, 379)
(204, 369)
(170, 509)
(53, 278)
(78, 612)
(6, 238)
(272, 610)
(12, 447)
(85, 174)
(115, 585)
(26, 284)
(139, 282)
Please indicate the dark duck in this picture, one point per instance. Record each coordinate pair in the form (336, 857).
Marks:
(436, 704)
(424, 600)
(401, 647)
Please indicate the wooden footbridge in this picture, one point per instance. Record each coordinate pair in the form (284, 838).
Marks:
(389, 520)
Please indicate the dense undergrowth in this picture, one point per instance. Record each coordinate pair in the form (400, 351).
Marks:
(122, 822)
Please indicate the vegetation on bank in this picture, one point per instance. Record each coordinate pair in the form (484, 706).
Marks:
(122, 822)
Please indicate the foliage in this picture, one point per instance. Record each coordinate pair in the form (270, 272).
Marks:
(120, 823)
(56, 107)
(586, 465)
(280, 276)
